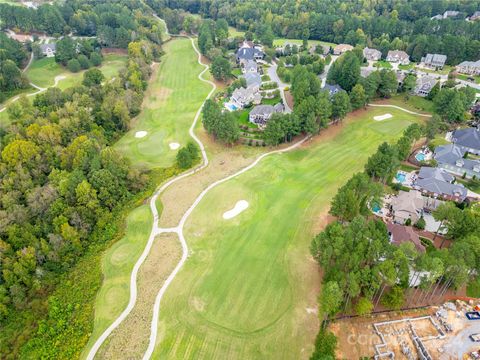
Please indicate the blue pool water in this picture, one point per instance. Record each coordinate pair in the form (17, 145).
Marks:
(232, 107)
(420, 157)
(400, 177)
(376, 208)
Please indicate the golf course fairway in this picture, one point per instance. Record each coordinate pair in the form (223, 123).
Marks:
(249, 285)
(173, 97)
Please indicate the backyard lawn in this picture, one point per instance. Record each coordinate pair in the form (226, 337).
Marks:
(383, 64)
(172, 99)
(249, 288)
(42, 72)
(232, 32)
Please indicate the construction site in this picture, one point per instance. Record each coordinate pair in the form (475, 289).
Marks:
(438, 332)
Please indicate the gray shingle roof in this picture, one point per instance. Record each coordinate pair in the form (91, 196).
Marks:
(248, 53)
(433, 185)
(469, 137)
(435, 173)
(44, 47)
(253, 79)
(452, 155)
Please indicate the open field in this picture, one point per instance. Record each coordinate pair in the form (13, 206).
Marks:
(171, 101)
(249, 287)
(411, 102)
(232, 32)
(42, 72)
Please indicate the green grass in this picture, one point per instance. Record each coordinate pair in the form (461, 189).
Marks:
(446, 69)
(412, 102)
(473, 288)
(42, 72)
(117, 264)
(406, 67)
(232, 32)
(383, 64)
(272, 101)
(244, 291)
(170, 105)
(438, 140)
(465, 77)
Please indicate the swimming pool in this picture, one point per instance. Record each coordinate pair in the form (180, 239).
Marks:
(420, 156)
(376, 208)
(400, 177)
(231, 107)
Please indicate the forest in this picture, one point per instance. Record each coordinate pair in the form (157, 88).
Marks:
(386, 24)
(62, 186)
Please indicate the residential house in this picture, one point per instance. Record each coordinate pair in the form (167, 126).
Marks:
(341, 49)
(400, 77)
(424, 85)
(451, 158)
(469, 67)
(475, 16)
(319, 49)
(242, 97)
(287, 48)
(250, 66)
(445, 15)
(437, 182)
(249, 53)
(48, 50)
(332, 89)
(262, 113)
(407, 205)
(398, 56)
(254, 80)
(372, 54)
(400, 234)
(467, 139)
(365, 71)
(436, 61)
(450, 13)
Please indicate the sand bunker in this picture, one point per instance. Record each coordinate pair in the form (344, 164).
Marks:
(382, 117)
(238, 208)
(140, 134)
(174, 146)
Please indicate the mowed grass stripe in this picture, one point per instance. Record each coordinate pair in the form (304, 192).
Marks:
(173, 98)
(249, 284)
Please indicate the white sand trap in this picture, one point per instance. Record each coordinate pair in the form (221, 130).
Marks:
(238, 208)
(140, 134)
(382, 117)
(174, 146)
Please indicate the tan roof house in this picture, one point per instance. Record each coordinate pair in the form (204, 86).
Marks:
(398, 56)
(407, 205)
(341, 49)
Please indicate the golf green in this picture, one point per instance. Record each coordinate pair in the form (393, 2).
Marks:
(174, 96)
(249, 287)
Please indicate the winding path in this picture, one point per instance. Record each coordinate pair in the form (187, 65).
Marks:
(400, 108)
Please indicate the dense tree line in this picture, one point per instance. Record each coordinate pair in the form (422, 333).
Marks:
(61, 182)
(114, 22)
(12, 56)
(222, 125)
(386, 25)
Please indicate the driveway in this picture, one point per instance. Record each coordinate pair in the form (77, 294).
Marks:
(272, 73)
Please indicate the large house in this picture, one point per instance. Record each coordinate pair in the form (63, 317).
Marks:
(372, 54)
(475, 16)
(242, 97)
(411, 205)
(434, 60)
(398, 56)
(332, 89)
(319, 49)
(250, 66)
(424, 85)
(467, 139)
(469, 67)
(262, 113)
(400, 234)
(438, 183)
(341, 49)
(253, 80)
(246, 53)
(451, 158)
(48, 50)
(446, 14)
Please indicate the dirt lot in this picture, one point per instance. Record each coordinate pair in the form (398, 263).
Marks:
(357, 336)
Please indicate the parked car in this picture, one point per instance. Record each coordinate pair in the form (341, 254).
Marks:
(475, 337)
